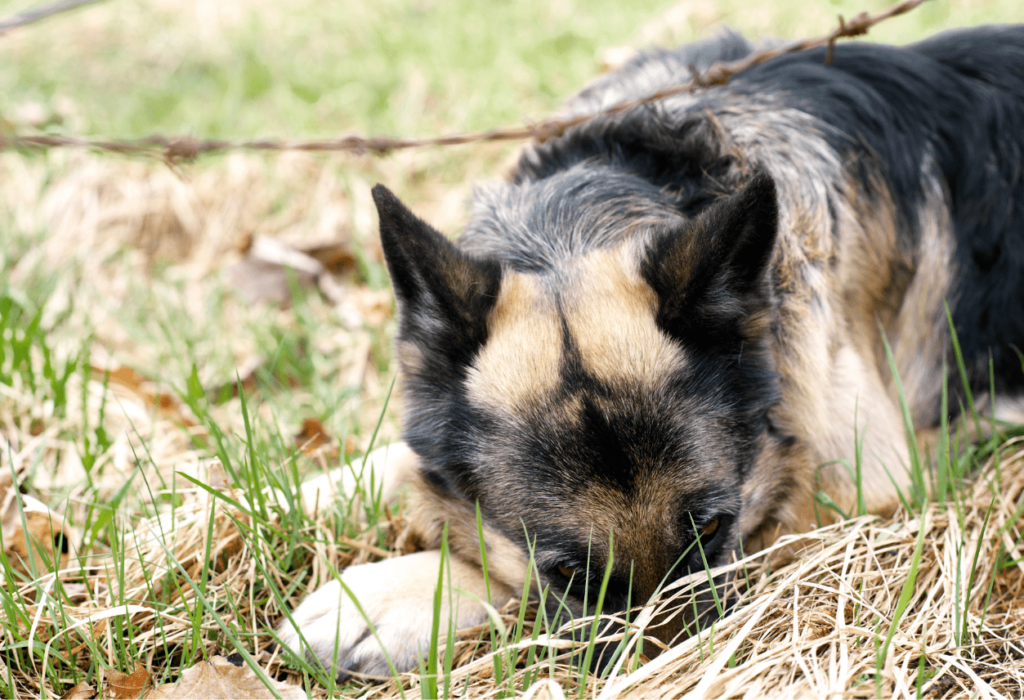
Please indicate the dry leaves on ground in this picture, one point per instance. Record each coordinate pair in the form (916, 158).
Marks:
(207, 680)
(33, 535)
(220, 678)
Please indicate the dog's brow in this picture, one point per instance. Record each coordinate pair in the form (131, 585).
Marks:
(626, 347)
(518, 366)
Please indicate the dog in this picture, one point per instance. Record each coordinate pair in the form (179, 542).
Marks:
(672, 326)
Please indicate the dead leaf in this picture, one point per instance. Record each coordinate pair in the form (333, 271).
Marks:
(270, 269)
(351, 445)
(46, 538)
(374, 305)
(127, 685)
(313, 436)
(336, 257)
(332, 291)
(276, 252)
(245, 375)
(219, 678)
(82, 691)
(146, 390)
(217, 478)
(261, 282)
(76, 592)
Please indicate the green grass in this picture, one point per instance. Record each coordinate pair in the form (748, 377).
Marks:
(305, 68)
(397, 66)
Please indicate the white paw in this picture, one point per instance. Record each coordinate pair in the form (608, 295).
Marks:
(383, 472)
(397, 596)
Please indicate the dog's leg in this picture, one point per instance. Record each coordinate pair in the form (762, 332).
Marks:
(859, 413)
(396, 595)
(964, 429)
(397, 598)
(382, 472)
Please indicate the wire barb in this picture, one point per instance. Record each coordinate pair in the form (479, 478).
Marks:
(32, 16)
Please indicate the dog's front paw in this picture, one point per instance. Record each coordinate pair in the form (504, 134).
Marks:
(380, 473)
(397, 596)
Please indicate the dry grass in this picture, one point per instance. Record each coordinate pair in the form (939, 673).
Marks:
(809, 625)
(820, 606)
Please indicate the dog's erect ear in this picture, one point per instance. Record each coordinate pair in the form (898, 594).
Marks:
(716, 267)
(443, 294)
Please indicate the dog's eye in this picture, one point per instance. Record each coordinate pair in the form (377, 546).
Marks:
(566, 571)
(710, 529)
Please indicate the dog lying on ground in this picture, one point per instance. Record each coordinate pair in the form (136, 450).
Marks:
(666, 328)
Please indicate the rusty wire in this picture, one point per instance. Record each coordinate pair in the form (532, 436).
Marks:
(32, 16)
(187, 148)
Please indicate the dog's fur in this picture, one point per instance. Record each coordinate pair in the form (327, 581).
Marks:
(668, 325)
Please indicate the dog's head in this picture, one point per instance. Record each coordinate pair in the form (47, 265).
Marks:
(620, 396)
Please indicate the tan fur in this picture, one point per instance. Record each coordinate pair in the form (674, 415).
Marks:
(428, 513)
(610, 313)
(519, 365)
(921, 325)
(642, 525)
(833, 368)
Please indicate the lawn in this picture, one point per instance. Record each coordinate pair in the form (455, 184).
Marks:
(166, 384)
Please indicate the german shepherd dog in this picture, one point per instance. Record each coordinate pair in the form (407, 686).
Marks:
(668, 326)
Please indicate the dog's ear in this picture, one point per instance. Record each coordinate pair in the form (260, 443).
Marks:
(715, 268)
(443, 294)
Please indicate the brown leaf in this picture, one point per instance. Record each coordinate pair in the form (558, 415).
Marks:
(336, 257)
(219, 678)
(374, 305)
(146, 390)
(313, 436)
(244, 375)
(262, 282)
(127, 685)
(82, 691)
(45, 540)
(270, 269)
(351, 445)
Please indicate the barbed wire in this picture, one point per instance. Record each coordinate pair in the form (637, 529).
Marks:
(31, 16)
(188, 148)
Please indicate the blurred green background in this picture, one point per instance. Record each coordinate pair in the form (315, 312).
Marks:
(305, 68)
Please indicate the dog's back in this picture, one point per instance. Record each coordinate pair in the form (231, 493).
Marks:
(946, 113)
(666, 329)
